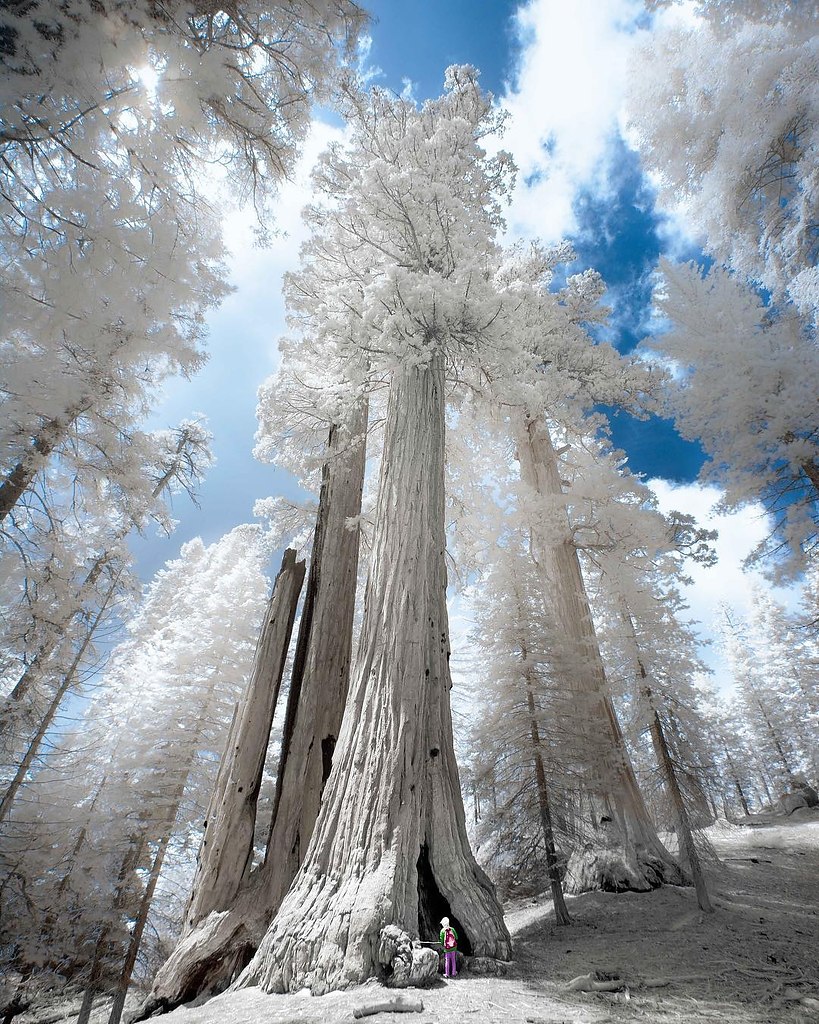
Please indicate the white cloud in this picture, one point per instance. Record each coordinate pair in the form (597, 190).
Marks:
(565, 102)
(726, 581)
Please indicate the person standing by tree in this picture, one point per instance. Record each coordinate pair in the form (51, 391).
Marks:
(449, 940)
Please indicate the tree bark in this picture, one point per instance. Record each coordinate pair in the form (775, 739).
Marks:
(130, 862)
(209, 955)
(623, 851)
(390, 844)
(141, 920)
(772, 733)
(688, 850)
(227, 845)
(321, 669)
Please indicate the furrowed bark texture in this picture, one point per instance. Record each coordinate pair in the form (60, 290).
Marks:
(321, 671)
(390, 844)
(623, 851)
(227, 846)
(208, 957)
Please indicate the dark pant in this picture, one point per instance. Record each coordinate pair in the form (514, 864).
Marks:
(449, 964)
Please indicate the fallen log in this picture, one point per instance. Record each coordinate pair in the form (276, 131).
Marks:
(398, 1004)
(593, 983)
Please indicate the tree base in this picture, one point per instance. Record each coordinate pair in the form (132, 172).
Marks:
(615, 868)
(206, 960)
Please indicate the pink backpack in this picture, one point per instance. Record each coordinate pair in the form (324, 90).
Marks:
(449, 939)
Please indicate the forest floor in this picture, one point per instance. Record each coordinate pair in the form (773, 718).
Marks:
(755, 960)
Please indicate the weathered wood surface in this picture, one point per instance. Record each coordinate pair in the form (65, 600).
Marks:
(227, 845)
(398, 1004)
(217, 946)
(321, 668)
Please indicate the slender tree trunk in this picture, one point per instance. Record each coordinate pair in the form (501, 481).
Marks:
(390, 845)
(688, 850)
(764, 782)
(737, 784)
(57, 632)
(48, 718)
(772, 733)
(12, 702)
(18, 479)
(700, 799)
(623, 851)
(561, 911)
(135, 942)
(174, 802)
(130, 862)
(86, 1006)
(227, 846)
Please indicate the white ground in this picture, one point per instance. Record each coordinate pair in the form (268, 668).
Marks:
(755, 960)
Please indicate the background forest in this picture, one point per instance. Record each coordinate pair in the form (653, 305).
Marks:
(512, 370)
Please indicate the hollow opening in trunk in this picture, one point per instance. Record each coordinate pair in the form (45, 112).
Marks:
(433, 905)
(328, 746)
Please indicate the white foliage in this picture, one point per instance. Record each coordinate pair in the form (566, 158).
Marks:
(726, 108)
(745, 387)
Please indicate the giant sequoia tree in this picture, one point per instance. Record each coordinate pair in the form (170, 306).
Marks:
(420, 198)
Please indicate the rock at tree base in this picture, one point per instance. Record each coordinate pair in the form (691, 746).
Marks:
(403, 964)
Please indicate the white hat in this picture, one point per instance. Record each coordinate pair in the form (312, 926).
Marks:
(445, 922)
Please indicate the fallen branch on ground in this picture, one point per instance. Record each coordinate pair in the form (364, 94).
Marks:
(592, 983)
(400, 1004)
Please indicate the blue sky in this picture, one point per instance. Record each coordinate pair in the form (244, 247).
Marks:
(561, 71)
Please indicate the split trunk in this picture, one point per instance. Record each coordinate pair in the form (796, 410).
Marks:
(227, 845)
(213, 950)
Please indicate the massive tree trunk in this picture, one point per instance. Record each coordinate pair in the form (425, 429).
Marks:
(227, 845)
(390, 845)
(622, 851)
(209, 955)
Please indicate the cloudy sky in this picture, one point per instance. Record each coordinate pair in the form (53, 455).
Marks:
(561, 70)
